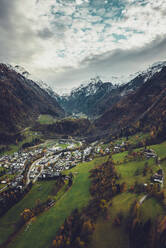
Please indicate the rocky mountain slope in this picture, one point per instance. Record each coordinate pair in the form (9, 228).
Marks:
(145, 106)
(86, 98)
(97, 97)
(22, 100)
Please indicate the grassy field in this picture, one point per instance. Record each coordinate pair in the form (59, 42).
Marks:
(133, 171)
(119, 157)
(151, 208)
(106, 234)
(40, 190)
(50, 143)
(49, 222)
(160, 149)
(2, 185)
(63, 146)
(29, 137)
(46, 119)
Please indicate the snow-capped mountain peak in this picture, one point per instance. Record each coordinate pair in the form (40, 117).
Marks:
(153, 69)
(91, 88)
(19, 69)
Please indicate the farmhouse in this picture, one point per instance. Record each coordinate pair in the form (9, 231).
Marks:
(149, 153)
(157, 178)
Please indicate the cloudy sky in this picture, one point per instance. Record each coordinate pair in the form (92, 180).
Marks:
(67, 42)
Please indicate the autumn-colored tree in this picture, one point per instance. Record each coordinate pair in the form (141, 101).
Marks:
(27, 214)
(123, 187)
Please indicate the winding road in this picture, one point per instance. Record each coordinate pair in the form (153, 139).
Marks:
(31, 168)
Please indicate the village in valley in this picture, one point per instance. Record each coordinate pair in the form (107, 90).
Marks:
(35, 178)
(45, 163)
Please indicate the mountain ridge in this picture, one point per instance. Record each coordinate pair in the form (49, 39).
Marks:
(96, 97)
(146, 105)
(22, 100)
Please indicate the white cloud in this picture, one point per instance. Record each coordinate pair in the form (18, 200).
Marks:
(58, 34)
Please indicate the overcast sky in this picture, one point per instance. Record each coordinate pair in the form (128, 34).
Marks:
(67, 42)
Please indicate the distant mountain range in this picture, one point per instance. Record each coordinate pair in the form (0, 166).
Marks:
(113, 106)
(142, 105)
(86, 99)
(97, 97)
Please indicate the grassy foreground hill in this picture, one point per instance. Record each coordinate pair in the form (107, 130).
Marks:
(110, 234)
(111, 230)
(77, 197)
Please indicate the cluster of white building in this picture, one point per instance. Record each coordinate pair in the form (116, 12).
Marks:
(55, 160)
(14, 165)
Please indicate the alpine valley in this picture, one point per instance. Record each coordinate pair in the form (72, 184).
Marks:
(86, 169)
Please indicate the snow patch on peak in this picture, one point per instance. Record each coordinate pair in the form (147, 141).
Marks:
(19, 69)
(147, 74)
(90, 88)
(32, 80)
(22, 71)
(158, 64)
(123, 79)
(63, 91)
(153, 69)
